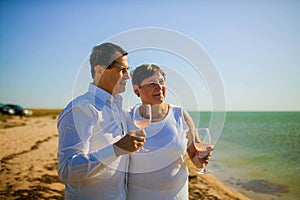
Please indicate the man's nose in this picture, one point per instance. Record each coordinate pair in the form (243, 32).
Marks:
(127, 75)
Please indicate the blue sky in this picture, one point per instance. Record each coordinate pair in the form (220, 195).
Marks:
(254, 44)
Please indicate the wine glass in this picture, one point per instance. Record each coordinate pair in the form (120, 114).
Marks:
(202, 145)
(142, 116)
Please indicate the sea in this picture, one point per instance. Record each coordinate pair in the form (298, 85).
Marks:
(258, 153)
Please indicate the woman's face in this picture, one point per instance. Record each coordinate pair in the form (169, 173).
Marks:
(153, 89)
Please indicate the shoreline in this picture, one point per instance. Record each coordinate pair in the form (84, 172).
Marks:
(29, 164)
(237, 170)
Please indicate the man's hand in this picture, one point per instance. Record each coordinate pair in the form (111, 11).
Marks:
(130, 142)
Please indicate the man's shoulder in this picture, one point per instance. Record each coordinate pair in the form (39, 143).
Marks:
(81, 102)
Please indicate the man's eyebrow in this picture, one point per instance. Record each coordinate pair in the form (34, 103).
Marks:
(123, 67)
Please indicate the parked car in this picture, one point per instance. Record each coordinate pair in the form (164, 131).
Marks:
(4, 109)
(13, 109)
(19, 110)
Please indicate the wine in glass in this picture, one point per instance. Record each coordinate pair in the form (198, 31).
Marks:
(202, 145)
(142, 116)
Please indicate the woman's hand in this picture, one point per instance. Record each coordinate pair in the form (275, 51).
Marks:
(201, 158)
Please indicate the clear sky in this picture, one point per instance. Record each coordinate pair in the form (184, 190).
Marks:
(254, 44)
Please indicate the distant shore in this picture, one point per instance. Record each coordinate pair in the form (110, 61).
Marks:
(29, 163)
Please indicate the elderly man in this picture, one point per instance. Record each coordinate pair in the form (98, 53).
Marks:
(93, 139)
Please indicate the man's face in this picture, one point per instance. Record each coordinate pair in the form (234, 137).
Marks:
(114, 79)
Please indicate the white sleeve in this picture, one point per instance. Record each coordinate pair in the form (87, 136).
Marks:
(74, 161)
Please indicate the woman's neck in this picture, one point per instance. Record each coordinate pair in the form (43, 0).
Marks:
(159, 111)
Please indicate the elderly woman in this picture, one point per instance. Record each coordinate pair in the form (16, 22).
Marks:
(160, 172)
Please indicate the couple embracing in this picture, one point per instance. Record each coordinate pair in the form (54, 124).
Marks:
(100, 149)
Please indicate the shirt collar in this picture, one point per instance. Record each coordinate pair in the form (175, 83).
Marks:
(103, 96)
(99, 93)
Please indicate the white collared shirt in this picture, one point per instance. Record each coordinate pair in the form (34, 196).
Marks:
(87, 163)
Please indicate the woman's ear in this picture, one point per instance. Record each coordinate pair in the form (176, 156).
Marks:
(136, 90)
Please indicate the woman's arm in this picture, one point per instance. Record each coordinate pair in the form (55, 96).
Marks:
(191, 150)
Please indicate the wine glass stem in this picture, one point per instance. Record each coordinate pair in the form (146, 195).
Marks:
(142, 147)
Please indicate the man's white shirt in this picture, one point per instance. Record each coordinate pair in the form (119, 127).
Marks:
(87, 163)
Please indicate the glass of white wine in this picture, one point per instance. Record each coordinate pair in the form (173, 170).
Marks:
(202, 145)
(142, 117)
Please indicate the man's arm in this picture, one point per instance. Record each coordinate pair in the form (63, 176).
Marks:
(74, 160)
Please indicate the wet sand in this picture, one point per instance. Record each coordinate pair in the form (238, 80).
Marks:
(29, 164)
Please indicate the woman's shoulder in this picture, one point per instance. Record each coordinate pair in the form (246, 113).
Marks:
(177, 110)
(174, 107)
(180, 112)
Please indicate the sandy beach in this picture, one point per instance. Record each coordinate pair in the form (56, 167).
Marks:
(29, 164)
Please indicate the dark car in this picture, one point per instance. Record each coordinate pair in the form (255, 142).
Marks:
(4, 109)
(18, 109)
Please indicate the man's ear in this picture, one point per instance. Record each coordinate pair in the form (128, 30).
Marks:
(98, 69)
(136, 90)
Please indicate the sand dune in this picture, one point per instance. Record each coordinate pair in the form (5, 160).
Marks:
(29, 164)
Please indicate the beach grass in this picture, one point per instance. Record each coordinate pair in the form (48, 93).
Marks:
(10, 121)
(42, 112)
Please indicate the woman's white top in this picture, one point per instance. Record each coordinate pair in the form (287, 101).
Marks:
(160, 172)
